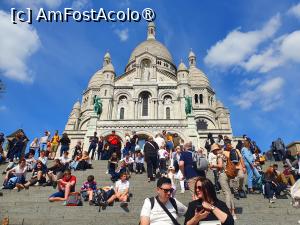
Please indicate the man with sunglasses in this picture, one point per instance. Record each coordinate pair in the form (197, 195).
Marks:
(162, 210)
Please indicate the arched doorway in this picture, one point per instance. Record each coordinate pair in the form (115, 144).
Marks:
(142, 139)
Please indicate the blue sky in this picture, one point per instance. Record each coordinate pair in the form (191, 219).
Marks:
(250, 51)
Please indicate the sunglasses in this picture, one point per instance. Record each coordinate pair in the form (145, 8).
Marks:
(199, 188)
(167, 190)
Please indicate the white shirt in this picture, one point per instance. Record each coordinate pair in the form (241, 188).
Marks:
(64, 160)
(139, 159)
(128, 161)
(122, 186)
(159, 141)
(44, 160)
(18, 172)
(158, 216)
(162, 153)
(212, 159)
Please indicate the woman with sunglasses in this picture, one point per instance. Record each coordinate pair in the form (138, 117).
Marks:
(207, 207)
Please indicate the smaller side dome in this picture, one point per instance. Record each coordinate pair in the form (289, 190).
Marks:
(96, 79)
(197, 77)
(182, 67)
(76, 105)
(109, 68)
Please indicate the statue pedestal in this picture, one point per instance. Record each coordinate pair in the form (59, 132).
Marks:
(192, 130)
(91, 128)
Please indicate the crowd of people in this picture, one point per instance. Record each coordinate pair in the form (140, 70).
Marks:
(168, 160)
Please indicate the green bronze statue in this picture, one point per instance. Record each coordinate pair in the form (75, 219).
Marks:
(97, 105)
(188, 105)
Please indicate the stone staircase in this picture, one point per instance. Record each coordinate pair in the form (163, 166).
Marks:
(31, 207)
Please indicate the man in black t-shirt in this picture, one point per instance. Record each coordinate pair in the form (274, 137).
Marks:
(93, 144)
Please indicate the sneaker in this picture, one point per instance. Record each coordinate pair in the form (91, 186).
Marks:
(271, 201)
(237, 196)
(274, 197)
(64, 203)
(123, 204)
(54, 184)
(234, 216)
(182, 192)
(37, 184)
(106, 172)
(91, 203)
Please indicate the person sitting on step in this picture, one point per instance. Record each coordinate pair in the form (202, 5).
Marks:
(65, 186)
(121, 191)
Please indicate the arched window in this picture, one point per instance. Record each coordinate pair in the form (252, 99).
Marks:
(201, 99)
(105, 92)
(168, 113)
(122, 112)
(145, 103)
(183, 92)
(196, 99)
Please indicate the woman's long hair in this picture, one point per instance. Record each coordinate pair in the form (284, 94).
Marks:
(208, 189)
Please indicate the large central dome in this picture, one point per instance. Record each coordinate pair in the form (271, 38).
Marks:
(154, 47)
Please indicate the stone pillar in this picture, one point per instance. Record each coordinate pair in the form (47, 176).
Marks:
(192, 130)
(91, 128)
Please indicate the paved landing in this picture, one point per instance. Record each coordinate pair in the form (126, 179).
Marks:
(31, 207)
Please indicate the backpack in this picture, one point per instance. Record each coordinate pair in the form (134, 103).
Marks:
(200, 162)
(74, 199)
(234, 156)
(230, 169)
(231, 163)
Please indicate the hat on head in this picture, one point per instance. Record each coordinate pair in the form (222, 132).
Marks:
(214, 147)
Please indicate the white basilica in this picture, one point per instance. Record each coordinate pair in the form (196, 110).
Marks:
(149, 97)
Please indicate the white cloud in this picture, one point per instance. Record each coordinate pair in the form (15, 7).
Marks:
(280, 52)
(35, 4)
(122, 34)
(290, 46)
(81, 4)
(267, 95)
(17, 43)
(295, 11)
(237, 45)
(251, 82)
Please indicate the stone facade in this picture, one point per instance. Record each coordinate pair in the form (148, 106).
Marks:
(149, 97)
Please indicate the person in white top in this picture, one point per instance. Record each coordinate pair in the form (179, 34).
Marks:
(160, 141)
(121, 191)
(129, 162)
(139, 163)
(43, 158)
(65, 159)
(213, 162)
(16, 175)
(178, 175)
(163, 155)
(155, 214)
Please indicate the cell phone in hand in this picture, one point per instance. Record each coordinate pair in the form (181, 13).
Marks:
(199, 208)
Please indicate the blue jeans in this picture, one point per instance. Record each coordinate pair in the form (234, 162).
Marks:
(64, 148)
(250, 173)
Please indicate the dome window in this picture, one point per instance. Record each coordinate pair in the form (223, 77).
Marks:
(122, 113)
(201, 99)
(196, 99)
